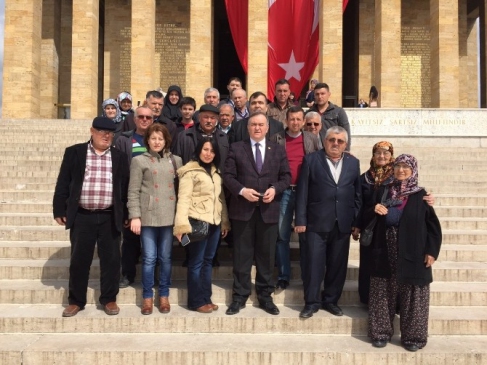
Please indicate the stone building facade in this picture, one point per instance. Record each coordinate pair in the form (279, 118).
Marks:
(418, 53)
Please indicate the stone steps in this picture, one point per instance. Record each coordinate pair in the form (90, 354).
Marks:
(251, 320)
(55, 269)
(46, 219)
(43, 250)
(35, 251)
(58, 233)
(442, 210)
(231, 349)
(55, 292)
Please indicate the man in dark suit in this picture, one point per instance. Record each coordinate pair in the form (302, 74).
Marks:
(256, 173)
(258, 103)
(90, 199)
(327, 203)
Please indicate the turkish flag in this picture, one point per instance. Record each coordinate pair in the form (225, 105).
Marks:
(293, 42)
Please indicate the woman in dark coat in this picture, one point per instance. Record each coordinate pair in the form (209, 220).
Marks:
(380, 173)
(172, 100)
(406, 243)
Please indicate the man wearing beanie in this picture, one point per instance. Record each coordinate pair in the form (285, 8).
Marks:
(90, 199)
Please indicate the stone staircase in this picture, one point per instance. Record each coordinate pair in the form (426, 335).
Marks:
(34, 259)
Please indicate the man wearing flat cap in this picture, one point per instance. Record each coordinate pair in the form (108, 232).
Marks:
(187, 140)
(90, 199)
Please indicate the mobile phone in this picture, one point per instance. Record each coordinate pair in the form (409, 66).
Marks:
(185, 240)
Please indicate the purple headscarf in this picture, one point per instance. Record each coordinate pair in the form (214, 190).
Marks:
(404, 188)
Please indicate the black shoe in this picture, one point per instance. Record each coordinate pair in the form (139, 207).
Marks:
(411, 347)
(308, 311)
(269, 307)
(215, 262)
(234, 308)
(282, 284)
(333, 309)
(379, 343)
(124, 282)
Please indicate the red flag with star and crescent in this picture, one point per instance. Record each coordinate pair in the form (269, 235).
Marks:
(293, 42)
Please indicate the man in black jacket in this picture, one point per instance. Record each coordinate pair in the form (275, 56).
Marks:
(258, 103)
(90, 199)
(188, 139)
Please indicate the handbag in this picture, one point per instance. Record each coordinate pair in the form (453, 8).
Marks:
(367, 234)
(199, 230)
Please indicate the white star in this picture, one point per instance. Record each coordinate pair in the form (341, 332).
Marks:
(292, 68)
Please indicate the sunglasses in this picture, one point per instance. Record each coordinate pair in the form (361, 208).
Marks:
(338, 141)
(315, 124)
(146, 117)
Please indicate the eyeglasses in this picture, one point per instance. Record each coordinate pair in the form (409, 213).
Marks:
(335, 140)
(146, 117)
(385, 153)
(103, 131)
(402, 167)
(315, 124)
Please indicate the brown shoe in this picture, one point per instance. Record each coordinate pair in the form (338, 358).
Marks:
(213, 306)
(111, 308)
(71, 310)
(147, 306)
(164, 306)
(207, 308)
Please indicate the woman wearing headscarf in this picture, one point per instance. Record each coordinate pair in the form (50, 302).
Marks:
(172, 99)
(124, 100)
(380, 173)
(112, 110)
(406, 243)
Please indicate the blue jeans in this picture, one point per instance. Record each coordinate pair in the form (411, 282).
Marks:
(200, 260)
(156, 246)
(286, 215)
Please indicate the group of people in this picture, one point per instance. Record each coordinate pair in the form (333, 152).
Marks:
(251, 167)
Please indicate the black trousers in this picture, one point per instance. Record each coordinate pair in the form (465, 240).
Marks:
(90, 229)
(131, 249)
(328, 252)
(253, 239)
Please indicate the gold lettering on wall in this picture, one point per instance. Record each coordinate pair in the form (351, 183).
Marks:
(172, 45)
(415, 67)
(125, 62)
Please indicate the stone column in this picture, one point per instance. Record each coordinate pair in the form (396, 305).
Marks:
(444, 54)
(51, 15)
(84, 64)
(22, 59)
(143, 51)
(387, 52)
(331, 50)
(117, 45)
(199, 64)
(257, 54)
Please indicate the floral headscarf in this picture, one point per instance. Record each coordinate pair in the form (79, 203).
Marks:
(404, 188)
(377, 175)
(121, 97)
(118, 117)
